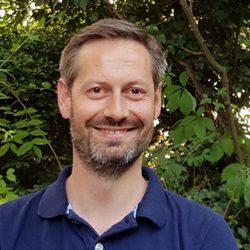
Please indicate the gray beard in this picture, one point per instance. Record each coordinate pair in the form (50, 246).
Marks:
(112, 159)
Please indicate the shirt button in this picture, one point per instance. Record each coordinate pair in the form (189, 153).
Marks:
(99, 246)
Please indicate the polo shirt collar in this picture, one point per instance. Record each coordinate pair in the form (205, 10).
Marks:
(54, 201)
(153, 205)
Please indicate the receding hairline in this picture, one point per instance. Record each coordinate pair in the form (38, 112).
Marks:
(110, 29)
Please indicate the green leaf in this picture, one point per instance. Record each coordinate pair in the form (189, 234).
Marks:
(227, 145)
(10, 175)
(4, 123)
(3, 190)
(206, 99)
(41, 22)
(188, 119)
(235, 179)
(31, 110)
(34, 38)
(216, 151)
(200, 129)
(218, 106)
(3, 200)
(32, 85)
(14, 148)
(46, 85)
(40, 141)
(247, 191)
(37, 151)
(21, 124)
(93, 16)
(21, 135)
(173, 101)
(20, 113)
(38, 132)
(152, 27)
(247, 145)
(15, 47)
(27, 146)
(4, 97)
(178, 135)
(187, 103)
(18, 141)
(83, 4)
(35, 122)
(200, 111)
(161, 38)
(184, 76)
(170, 89)
(189, 130)
(208, 123)
(231, 171)
(10, 171)
(168, 80)
(4, 149)
(11, 196)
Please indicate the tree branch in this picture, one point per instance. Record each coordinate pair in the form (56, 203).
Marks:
(236, 52)
(224, 78)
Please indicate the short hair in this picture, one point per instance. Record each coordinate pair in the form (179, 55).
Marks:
(111, 29)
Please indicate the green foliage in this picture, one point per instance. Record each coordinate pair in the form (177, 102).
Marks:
(179, 96)
(6, 192)
(192, 151)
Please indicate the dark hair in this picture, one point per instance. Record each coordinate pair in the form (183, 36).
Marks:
(111, 29)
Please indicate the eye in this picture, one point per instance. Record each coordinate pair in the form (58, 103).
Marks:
(135, 93)
(96, 90)
(97, 93)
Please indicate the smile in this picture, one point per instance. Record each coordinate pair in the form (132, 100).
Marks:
(114, 131)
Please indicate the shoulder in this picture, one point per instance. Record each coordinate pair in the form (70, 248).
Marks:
(16, 216)
(185, 205)
(12, 209)
(194, 213)
(200, 222)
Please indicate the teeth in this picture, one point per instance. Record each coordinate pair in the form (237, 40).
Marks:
(114, 131)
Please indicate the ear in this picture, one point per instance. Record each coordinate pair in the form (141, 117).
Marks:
(64, 99)
(157, 101)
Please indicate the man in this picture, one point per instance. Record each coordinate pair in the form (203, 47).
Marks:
(110, 90)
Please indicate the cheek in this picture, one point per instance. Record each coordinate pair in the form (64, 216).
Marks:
(83, 111)
(144, 112)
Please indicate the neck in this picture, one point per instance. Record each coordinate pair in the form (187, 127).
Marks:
(104, 201)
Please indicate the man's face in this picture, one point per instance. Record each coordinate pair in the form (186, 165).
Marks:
(111, 106)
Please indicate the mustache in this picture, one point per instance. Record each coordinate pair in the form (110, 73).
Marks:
(113, 123)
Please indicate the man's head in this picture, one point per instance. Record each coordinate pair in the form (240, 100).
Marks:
(111, 29)
(111, 95)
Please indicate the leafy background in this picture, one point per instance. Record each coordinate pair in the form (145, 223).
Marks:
(201, 145)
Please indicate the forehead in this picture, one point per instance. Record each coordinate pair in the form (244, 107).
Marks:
(114, 60)
(109, 45)
(114, 50)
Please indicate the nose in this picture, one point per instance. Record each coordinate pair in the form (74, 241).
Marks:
(116, 107)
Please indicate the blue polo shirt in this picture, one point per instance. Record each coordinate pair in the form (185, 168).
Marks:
(162, 220)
